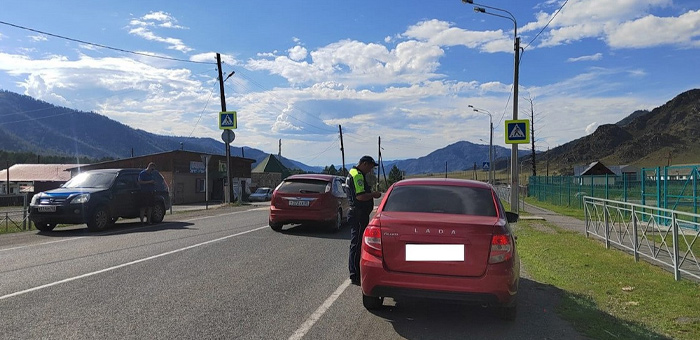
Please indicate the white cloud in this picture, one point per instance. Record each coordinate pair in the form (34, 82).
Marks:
(141, 28)
(683, 31)
(442, 33)
(622, 24)
(593, 57)
(297, 53)
(38, 38)
(591, 128)
(175, 44)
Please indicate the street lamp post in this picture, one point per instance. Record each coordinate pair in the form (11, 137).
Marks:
(491, 173)
(516, 69)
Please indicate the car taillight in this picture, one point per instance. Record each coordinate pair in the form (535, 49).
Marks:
(372, 240)
(501, 248)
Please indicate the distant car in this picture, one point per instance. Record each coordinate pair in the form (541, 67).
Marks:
(444, 239)
(97, 198)
(261, 195)
(309, 198)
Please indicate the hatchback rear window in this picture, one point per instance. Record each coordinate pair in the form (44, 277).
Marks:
(441, 199)
(303, 186)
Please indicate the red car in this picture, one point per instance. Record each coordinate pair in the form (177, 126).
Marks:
(309, 198)
(444, 239)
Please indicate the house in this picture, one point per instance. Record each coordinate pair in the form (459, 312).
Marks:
(33, 178)
(185, 173)
(595, 173)
(269, 173)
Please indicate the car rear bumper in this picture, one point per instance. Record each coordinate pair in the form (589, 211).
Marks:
(498, 286)
(287, 216)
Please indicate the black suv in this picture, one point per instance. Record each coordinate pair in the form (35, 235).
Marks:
(97, 198)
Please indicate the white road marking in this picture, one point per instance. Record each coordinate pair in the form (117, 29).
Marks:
(316, 315)
(130, 229)
(127, 264)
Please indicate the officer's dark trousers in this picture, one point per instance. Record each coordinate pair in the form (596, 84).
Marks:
(358, 220)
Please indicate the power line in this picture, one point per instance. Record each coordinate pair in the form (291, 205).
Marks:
(105, 46)
(545, 26)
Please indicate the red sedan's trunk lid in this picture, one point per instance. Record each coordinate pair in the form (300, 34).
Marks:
(439, 244)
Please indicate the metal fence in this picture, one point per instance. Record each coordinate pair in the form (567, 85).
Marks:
(664, 236)
(14, 213)
(671, 187)
(14, 220)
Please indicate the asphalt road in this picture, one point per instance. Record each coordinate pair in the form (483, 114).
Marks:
(224, 274)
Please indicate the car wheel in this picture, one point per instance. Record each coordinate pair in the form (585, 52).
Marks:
(338, 223)
(158, 213)
(372, 302)
(508, 312)
(276, 226)
(45, 226)
(100, 219)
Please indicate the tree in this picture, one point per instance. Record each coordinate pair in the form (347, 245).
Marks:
(330, 170)
(395, 175)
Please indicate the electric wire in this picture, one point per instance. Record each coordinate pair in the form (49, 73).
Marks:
(105, 46)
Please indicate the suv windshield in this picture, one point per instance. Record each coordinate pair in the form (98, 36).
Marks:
(91, 180)
(441, 199)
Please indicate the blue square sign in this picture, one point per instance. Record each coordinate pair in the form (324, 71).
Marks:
(517, 131)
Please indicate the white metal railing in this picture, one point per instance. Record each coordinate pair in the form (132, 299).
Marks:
(664, 236)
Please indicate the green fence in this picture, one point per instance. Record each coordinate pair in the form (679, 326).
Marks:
(570, 190)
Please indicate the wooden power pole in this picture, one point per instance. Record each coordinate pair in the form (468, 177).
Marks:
(342, 150)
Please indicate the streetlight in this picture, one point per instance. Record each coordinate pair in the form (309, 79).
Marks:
(491, 174)
(516, 69)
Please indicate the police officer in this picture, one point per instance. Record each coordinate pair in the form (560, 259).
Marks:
(361, 205)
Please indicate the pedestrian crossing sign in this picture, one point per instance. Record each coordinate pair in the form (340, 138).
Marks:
(517, 131)
(227, 120)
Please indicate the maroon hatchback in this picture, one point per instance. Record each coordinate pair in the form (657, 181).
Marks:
(309, 198)
(444, 239)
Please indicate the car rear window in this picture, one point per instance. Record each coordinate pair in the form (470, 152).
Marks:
(303, 186)
(441, 199)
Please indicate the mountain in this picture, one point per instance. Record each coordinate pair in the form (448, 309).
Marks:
(459, 156)
(30, 125)
(644, 139)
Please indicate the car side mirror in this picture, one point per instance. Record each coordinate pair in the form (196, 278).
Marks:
(512, 217)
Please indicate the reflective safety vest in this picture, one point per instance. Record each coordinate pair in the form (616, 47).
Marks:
(358, 185)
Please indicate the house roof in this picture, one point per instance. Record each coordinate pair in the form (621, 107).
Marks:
(38, 173)
(269, 164)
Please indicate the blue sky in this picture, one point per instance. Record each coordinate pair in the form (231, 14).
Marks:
(405, 71)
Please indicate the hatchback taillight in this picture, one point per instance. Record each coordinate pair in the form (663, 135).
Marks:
(372, 240)
(501, 248)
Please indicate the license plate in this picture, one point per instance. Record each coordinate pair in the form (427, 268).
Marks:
(435, 252)
(50, 208)
(299, 203)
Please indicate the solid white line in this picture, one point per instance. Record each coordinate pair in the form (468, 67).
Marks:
(306, 326)
(126, 264)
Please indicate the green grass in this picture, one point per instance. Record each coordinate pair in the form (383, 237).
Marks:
(605, 294)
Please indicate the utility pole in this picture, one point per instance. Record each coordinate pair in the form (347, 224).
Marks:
(279, 150)
(379, 157)
(229, 185)
(342, 150)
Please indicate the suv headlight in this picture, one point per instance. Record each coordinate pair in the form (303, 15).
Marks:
(80, 199)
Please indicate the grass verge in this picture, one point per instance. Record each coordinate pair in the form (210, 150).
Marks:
(605, 294)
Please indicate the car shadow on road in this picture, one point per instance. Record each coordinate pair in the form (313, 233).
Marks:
(116, 229)
(536, 319)
(317, 231)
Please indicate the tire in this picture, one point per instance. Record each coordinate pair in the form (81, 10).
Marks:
(100, 219)
(337, 224)
(508, 313)
(45, 226)
(158, 213)
(276, 226)
(372, 302)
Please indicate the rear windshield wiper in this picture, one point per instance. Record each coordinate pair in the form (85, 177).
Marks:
(308, 191)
